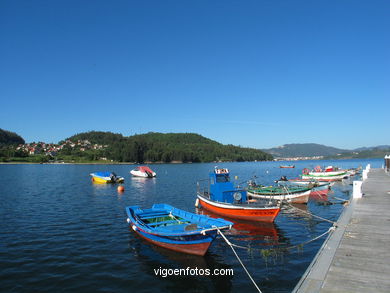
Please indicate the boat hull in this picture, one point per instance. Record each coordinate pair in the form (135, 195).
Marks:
(302, 197)
(97, 179)
(240, 212)
(100, 180)
(319, 194)
(324, 177)
(193, 248)
(322, 189)
(171, 228)
(142, 174)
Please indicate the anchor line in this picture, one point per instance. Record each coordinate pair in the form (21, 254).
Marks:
(331, 229)
(342, 199)
(326, 220)
(242, 264)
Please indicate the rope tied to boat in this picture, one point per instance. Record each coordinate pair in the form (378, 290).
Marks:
(308, 213)
(331, 229)
(242, 264)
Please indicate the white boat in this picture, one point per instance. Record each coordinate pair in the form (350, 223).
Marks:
(329, 174)
(143, 171)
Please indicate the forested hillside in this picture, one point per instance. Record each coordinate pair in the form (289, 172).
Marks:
(304, 150)
(168, 147)
(8, 138)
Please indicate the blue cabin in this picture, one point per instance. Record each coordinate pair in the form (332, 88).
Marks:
(223, 190)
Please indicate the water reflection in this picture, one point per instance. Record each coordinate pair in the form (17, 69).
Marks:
(103, 188)
(156, 261)
(141, 184)
(262, 233)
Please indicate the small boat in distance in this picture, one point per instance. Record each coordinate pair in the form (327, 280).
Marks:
(219, 196)
(143, 171)
(175, 229)
(106, 177)
(287, 166)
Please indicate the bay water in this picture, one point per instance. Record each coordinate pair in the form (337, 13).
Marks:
(59, 232)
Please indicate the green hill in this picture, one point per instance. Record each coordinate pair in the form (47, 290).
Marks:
(9, 138)
(97, 137)
(168, 147)
(379, 152)
(304, 150)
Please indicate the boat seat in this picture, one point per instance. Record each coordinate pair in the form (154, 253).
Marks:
(191, 227)
(154, 215)
(167, 223)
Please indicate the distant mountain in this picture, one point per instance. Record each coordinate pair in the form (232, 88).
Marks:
(304, 150)
(168, 147)
(379, 147)
(374, 152)
(8, 138)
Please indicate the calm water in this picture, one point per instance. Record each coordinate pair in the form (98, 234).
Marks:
(60, 232)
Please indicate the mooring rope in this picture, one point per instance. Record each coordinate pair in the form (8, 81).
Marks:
(231, 246)
(339, 198)
(331, 229)
(308, 213)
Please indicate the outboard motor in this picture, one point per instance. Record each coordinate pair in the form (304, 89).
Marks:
(283, 178)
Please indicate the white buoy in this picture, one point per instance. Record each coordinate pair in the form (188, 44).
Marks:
(197, 202)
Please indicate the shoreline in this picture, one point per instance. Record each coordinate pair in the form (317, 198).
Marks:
(159, 163)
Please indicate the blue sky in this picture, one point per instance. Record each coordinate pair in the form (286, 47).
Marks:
(251, 73)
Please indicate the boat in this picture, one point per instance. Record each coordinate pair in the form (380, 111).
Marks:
(317, 188)
(175, 229)
(106, 177)
(354, 171)
(287, 166)
(330, 173)
(283, 193)
(301, 181)
(143, 171)
(218, 195)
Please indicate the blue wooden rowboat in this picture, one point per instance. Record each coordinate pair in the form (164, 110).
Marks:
(175, 229)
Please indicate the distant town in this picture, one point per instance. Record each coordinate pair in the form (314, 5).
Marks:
(154, 147)
(299, 158)
(52, 149)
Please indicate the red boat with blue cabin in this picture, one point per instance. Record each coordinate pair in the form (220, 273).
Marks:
(220, 196)
(175, 229)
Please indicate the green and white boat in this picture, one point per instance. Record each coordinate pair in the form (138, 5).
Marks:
(291, 194)
(329, 174)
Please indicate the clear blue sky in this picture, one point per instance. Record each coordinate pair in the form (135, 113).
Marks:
(255, 73)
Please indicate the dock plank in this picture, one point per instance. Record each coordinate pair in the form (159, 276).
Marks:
(356, 257)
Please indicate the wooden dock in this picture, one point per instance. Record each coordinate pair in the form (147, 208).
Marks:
(356, 256)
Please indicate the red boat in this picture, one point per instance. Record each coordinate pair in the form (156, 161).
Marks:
(222, 198)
